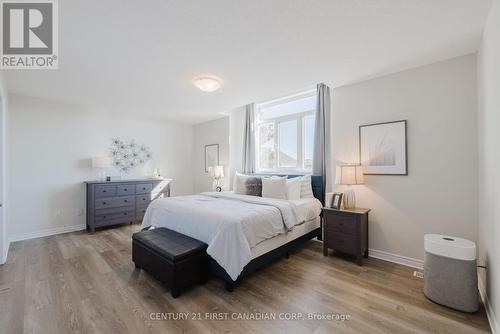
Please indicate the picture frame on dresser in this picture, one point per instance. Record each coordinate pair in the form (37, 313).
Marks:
(123, 201)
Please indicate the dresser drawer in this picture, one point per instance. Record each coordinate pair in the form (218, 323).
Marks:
(123, 215)
(342, 242)
(114, 202)
(140, 212)
(342, 224)
(125, 189)
(141, 200)
(143, 188)
(105, 191)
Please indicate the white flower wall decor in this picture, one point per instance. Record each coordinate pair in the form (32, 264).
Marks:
(127, 156)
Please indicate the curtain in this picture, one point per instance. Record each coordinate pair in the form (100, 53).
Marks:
(249, 140)
(321, 132)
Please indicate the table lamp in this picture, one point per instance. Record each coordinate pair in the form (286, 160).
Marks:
(101, 163)
(350, 175)
(216, 173)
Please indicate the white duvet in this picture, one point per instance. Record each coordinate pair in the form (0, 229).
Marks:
(229, 224)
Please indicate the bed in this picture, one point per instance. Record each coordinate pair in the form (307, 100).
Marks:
(243, 232)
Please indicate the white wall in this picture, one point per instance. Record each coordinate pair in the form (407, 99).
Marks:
(440, 193)
(50, 146)
(213, 132)
(489, 163)
(236, 133)
(4, 245)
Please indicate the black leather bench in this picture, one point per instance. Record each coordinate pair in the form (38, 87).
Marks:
(174, 259)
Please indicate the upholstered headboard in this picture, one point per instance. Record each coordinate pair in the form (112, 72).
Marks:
(316, 183)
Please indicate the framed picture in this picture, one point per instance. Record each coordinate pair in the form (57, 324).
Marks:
(336, 201)
(383, 148)
(211, 156)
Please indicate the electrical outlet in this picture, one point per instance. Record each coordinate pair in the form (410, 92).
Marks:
(79, 212)
(57, 214)
(418, 274)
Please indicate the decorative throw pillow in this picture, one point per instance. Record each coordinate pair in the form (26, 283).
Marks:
(274, 187)
(306, 187)
(247, 185)
(293, 187)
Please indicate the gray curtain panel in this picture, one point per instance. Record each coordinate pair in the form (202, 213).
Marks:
(249, 140)
(321, 131)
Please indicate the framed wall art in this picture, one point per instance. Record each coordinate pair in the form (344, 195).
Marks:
(383, 148)
(211, 156)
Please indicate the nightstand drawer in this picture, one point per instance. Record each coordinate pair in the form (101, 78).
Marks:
(343, 242)
(343, 224)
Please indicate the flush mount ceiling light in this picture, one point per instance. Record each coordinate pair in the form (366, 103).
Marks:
(207, 84)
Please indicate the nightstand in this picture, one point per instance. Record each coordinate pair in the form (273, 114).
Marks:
(346, 231)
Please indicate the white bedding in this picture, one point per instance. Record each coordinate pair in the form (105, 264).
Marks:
(309, 208)
(230, 224)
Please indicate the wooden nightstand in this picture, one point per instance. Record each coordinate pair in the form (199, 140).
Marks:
(346, 231)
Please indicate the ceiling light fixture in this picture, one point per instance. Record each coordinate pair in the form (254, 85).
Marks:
(207, 84)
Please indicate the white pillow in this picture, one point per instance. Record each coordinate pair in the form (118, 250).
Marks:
(306, 190)
(239, 184)
(293, 187)
(274, 187)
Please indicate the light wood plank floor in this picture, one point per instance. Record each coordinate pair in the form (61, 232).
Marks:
(83, 283)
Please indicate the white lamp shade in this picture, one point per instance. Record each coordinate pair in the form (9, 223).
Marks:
(219, 171)
(350, 174)
(101, 162)
(216, 172)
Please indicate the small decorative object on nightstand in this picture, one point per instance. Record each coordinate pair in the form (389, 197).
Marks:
(346, 231)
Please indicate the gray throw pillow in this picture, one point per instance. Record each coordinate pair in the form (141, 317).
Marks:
(253, 186)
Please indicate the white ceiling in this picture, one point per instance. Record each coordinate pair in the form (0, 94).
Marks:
(138, 57)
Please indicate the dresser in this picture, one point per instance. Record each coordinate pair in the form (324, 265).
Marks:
(346, 231)
(124, 201)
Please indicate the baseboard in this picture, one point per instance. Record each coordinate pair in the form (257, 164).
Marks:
(5, 252)
(399, 259)
(46, 232)
(487, 305)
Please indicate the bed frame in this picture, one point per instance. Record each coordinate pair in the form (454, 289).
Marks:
(273, 255)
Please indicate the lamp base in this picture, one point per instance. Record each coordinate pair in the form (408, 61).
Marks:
(349, 199)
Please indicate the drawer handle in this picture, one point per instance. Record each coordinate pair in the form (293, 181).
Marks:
(125, 189)
(103, 203)
(104, 191)
(143, 199)
(143, 188)
(125, 201)
(104, 217)
(124, 213)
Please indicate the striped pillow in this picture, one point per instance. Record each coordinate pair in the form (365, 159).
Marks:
(306, 190)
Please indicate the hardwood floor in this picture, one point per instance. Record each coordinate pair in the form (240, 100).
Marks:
(87, 283)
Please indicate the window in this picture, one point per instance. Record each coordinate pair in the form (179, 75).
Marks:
(285, 134)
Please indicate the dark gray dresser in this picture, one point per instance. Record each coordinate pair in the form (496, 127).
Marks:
(116, 202)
